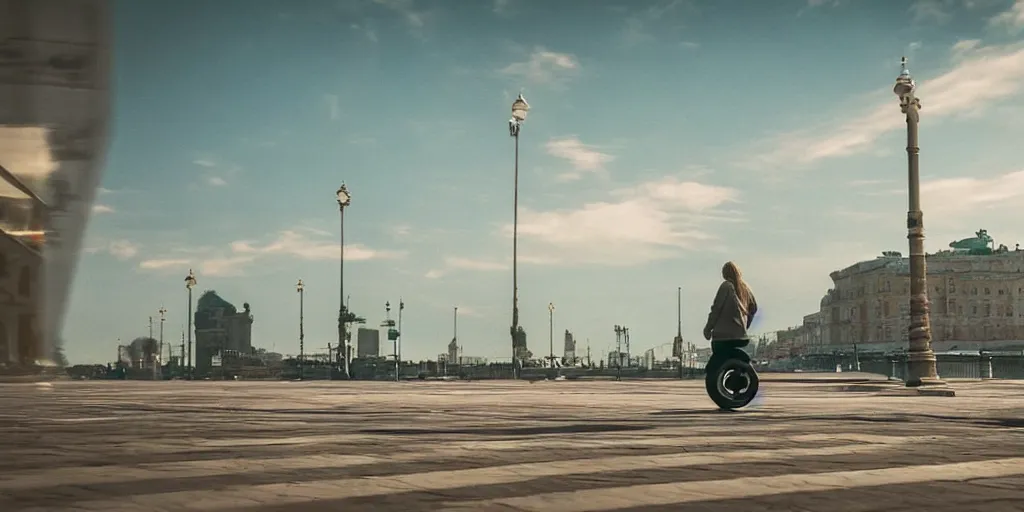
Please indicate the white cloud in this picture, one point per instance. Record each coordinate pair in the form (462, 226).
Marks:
(333, 110)
(471, 264)
(930, 11)
(651, 221)
(988, 74)
(216, 181)
(161, 264)
(964, 46)
(1013, 18)
(406, 9)
(294, 243)
(209, 164)
(500, 7)
(953, 197)
(465, 264)
(102, 208)
(122, 249)
(225, 267)
(543, 67)
(583, 157)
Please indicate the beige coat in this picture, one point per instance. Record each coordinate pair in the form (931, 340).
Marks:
(727, 320)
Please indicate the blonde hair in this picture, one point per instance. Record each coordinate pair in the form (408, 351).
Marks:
(731, 273)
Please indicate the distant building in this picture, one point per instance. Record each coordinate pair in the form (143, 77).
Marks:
(220, 327)
(453, 352)
(472, 360)
(569, 349)
(367, 343)
(519, 346)
(976, 295)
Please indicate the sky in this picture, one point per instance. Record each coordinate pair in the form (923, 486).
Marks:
(664, 139)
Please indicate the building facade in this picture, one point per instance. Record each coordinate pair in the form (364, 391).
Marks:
(976, 302)
(367, 343)
(220, 327)
(569, 349)
(20, 291)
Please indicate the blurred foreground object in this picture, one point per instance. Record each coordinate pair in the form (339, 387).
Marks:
(54, 113)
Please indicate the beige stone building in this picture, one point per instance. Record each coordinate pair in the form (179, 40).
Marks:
(977, 301)
(20, 294)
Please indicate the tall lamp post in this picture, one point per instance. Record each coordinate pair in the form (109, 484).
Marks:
(922, 369)
(455, 334)
(301, 288)
(551, 333)
(190, 282)
(163, 313)
(519, 110)
(398, 342)
(344, 199)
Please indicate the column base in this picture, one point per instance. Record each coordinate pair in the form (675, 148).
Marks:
(930, 387)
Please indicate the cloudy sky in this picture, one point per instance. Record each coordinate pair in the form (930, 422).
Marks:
(665, 138)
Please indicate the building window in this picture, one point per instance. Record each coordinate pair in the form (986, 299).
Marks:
(988, 291)
(988, 310)
(1002, 291)
(952, 286)
(1009, 310)
(888, 286)
(974, 291)
(974, 310)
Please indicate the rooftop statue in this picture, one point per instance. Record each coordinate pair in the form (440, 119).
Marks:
(981, 243)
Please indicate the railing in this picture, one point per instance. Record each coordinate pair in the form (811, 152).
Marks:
(950, 366)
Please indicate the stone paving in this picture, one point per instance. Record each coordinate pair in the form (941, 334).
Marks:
(479, 446)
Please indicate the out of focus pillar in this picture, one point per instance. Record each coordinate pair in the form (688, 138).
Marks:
(54, 111)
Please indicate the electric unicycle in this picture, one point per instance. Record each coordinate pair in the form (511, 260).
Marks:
(730, 379)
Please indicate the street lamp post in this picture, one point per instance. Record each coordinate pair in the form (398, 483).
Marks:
(398, 342)
(163, 314)
(392, 334)
(455, 334)
(551, 333)
(301, 288)
(922, 369)
(190, 282)
(344, 199)
(519, 111)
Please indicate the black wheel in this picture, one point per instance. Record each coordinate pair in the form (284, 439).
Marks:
(732, 385)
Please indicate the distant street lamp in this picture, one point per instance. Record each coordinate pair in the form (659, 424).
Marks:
(163, 314)
(551, 333)
(393, 334)
(922, 369)
(398, 342)
(344, 199)
(190, 282)
(301, 288)
(519, 111)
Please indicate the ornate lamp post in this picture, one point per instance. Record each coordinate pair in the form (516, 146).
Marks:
(163, 314)
(519, 111)
(190, 282)
(344, 199)
(921, 359)
(301, 288)
(551, 333)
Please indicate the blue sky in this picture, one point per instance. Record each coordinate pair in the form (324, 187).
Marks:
(665, 138)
